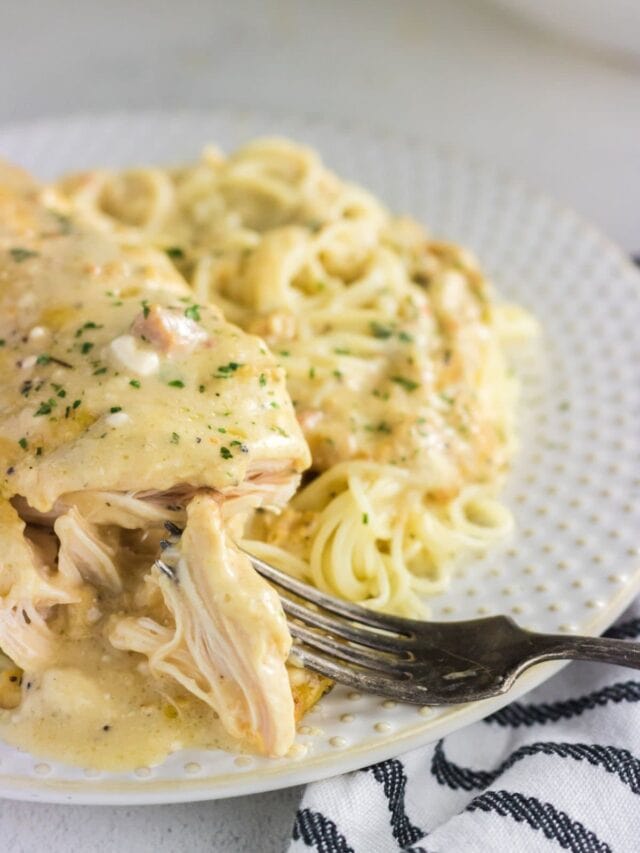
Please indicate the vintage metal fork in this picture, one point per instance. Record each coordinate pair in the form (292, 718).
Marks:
(430, 663)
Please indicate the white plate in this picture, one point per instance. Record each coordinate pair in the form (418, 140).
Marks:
(573, 564)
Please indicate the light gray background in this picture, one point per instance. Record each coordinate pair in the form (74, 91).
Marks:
(563, 116)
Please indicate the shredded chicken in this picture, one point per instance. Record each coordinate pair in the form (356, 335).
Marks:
(230, 642)
(83, 554)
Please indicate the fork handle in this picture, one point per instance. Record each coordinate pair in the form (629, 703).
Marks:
(569, 647)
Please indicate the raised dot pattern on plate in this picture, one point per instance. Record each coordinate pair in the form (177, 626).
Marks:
(574, 488)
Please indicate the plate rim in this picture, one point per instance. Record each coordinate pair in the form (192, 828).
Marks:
(201, 788)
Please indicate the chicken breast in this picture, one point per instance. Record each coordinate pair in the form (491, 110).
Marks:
(125, 405)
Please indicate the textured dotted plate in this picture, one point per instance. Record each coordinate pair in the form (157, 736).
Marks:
(574, 562)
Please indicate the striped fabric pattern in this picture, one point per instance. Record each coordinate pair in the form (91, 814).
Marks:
(557, 770)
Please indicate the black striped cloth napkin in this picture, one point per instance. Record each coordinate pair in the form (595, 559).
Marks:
(559, 769)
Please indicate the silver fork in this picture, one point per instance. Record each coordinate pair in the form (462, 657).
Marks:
(430, 663)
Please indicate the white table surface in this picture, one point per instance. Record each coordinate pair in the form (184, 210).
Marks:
(455, 70)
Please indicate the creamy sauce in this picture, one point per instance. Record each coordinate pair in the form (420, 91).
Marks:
(98, 708)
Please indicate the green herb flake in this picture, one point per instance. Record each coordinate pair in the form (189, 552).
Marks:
(19, 254)
(175, 438)
(225, 453)
(225, 369)
(135, 383)
(379, 330)
(262, 380)
(365, 518)
(38, 451)
(405, 337)
(145, 307)
(99, 371)
(75, 404)
(312, 373)
(382, 427)
(43, 358)
(2, 342)
(45, 408)
(407, 384)
(175, 253)
(176, 383)
(193, 312)
(86, 347)
(201, 389)
(61, 393)
(23, 443)
(115, 409)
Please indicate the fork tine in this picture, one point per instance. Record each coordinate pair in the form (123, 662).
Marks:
(361, 656)
(341, 628)
(394, 688)
(353, 612)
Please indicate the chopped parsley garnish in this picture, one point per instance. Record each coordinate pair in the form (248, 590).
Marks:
(145, 308)
(99, 371)
(193, 312)
(135, 383)
(201, 389)
(75, 404)
(43, 359)
(379, 330)
(226, 369)
(365, 518)
(19, 254)
(38, 451)
(285, 353)
(23, 443)
(446, 398)
(338, 374)
(405, 337)
(175, 252)
(407, 384)
(115, 409)
(342, 351)
(45, 408)
(225, 453)
(312, 373)
(86, 347)
(262, 380)
(175, 438)
(89, 325)
(61, 393)
(176, 383)
(382, 427)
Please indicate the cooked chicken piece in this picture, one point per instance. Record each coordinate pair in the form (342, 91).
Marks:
(121, 399)
(83, 555)
(231, 640)
(170, 331)
(28, 591)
